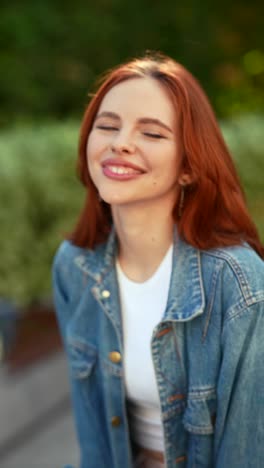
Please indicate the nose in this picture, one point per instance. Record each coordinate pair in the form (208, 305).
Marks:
(122, 144)
(121, 149)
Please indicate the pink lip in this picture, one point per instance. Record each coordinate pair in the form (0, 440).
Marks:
(106, 165)
(121, 162)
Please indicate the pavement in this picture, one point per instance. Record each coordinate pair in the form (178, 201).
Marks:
(36, 422)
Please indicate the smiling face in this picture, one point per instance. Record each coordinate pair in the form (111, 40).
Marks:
(132, 150)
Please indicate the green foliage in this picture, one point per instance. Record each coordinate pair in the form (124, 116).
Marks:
(244, 136)
(52, 51)
(41, 196)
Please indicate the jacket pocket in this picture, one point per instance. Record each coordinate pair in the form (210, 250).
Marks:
(198, 421)
(82, 358)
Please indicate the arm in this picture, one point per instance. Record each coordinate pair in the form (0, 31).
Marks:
(60, 293)
(81, 363)
(239, 431)
(60, 300)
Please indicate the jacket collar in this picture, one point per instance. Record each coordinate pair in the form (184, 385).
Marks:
(96, 263)
(186, 293)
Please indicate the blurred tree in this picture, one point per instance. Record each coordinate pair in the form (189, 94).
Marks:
(51, 52)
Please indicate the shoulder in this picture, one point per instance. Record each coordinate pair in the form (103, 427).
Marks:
(71, 261)
(75, 271)
(244, 262)
(240, 272)
(64, 260)
(66, 253)
(239, 255)
(64, 272)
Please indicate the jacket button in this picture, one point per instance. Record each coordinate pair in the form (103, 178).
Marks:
(115, 356)
(105, 294)
(115, 421)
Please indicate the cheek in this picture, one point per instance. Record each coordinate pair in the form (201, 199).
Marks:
(166, 172)
(91, 153)
(96, 147)
(166, 162)
(90, 148)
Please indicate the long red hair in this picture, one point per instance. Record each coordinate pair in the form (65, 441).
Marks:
(214, 212)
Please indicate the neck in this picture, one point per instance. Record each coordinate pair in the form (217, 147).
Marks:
(144, 237)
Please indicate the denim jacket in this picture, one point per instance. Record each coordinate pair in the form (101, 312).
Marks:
(208, 355)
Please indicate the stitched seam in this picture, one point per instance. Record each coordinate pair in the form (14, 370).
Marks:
(177, 396)
(164, 331)
(238, 272)
(211, 304)
(238, 312)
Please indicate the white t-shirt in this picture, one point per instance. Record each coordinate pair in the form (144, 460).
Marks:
(142, 306)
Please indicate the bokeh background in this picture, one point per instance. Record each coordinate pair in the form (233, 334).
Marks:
(51, 53)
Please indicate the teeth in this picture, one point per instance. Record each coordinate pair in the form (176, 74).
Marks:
(123, 170)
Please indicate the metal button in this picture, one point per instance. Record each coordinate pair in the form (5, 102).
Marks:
(115, 421)
(105, 294)
(115, 356)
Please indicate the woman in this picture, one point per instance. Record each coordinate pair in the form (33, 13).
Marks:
(159, 290)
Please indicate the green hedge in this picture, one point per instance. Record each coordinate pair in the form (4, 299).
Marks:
(41, 196)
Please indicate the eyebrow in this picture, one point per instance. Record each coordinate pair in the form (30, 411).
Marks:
(112, 115)
(142, 120)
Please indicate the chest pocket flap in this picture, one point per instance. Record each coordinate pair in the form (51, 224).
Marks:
(199, 415)
(82, 358)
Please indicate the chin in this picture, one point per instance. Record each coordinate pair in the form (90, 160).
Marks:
(116, 200)
(110, 198)
(109, 194)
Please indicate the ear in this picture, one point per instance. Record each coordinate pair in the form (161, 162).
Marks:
(185, 179)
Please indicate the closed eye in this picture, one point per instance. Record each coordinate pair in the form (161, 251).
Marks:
(154, 135)
(107, 127)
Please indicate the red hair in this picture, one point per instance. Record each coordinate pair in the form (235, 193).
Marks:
(214, 212)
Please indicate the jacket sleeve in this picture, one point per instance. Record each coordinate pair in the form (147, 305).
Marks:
(239, 430)
(60, 278)
(60, 297)
(91, 446)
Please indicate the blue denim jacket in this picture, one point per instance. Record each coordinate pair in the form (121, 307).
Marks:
(208, 354)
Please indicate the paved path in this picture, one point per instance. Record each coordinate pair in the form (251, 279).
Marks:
(36, 425)
(52, 447)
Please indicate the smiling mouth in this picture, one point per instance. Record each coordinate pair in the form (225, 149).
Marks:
(120, 172)
(123, 170)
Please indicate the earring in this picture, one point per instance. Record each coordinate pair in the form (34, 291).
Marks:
(181, 202)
